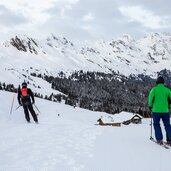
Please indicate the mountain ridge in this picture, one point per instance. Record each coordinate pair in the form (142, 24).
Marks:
(124, 55)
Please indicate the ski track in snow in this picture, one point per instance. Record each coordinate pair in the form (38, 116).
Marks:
(53, 142)
(49, 146)
(71, 141)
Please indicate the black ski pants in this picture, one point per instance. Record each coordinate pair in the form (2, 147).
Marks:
(28, 108)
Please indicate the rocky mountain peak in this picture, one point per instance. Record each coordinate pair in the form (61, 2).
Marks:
(59, 41)
(25, 44)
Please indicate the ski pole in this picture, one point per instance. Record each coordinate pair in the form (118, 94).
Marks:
(151, 136)
(37, 108)
(12, 103)
(18, 107)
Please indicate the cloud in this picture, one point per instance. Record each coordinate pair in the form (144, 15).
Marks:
(147, 18)
(10, 18)
(32, 9)
(88, 17)
(84, 19)
(104, 19)
(159, 7)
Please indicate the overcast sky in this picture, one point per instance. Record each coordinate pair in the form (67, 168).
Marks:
(84, 19)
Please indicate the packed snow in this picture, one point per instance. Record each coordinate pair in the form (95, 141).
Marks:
(69, 139)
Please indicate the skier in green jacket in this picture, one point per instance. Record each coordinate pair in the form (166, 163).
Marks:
(158, 103)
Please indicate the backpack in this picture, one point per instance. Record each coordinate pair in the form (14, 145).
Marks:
(24, 92)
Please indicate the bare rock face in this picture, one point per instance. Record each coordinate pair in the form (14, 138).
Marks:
(25, 45)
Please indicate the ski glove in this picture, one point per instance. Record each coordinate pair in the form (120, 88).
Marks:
(150, 108)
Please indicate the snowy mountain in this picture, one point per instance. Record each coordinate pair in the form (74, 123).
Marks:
(72, 141)
(22, 56)
(125, 55)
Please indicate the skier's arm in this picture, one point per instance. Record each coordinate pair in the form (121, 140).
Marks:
(19, 97)
(32, 96)
(151, 99)
(169, 99)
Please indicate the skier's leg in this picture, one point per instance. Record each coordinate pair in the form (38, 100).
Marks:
(157, 128)
(167, 138)
(33, 113)
(26, 113)
(166, 122)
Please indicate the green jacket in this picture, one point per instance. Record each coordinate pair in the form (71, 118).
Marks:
(158, 99)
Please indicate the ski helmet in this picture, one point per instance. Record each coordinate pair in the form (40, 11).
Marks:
(160, 80)
(24, 85)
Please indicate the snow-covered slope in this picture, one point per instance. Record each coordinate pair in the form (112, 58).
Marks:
(71, 141)
(147, 55)
(21, 56)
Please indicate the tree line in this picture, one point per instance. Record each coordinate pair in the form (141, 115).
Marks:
(111, 93)
(106, 92)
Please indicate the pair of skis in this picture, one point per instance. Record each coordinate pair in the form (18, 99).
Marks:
(164, 145)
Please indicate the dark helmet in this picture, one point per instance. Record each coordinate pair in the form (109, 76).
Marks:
(160, 80)
(24, 85)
